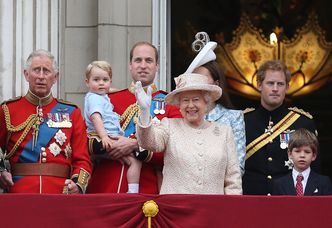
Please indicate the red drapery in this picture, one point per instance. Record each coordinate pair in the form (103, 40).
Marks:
(125, 210)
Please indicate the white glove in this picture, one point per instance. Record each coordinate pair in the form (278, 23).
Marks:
(144, 102)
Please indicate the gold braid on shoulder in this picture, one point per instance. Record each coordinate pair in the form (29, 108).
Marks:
(26, 125)
(132, 111)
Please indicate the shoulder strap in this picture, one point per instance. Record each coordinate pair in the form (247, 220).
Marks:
(247, 110)
(301, 111)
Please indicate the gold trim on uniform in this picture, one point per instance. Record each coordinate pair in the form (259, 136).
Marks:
(301, 111)
(91, 137)
(133, 111)
(25, 126)
(83, 179)
(39, 101)
(247, 110)
(149, 157)
(262, 140)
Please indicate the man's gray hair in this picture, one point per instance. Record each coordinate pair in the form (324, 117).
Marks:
(40, 53)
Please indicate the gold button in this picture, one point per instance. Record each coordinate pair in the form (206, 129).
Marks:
(270, 159)
(269, 177)
(44, 159)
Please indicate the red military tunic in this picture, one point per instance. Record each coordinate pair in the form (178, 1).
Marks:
(110, 176)
(60, 144)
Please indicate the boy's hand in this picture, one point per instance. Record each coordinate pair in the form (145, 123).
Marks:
(107, 143)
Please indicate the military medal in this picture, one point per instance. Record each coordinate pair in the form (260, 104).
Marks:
(54, 149)
(68, 151)
(59, 120)
(157, 109)
(65, 123)
(60, 137)
(269, 129)
(284, 138)
(283, 144)
(162, 110)
(35, 126)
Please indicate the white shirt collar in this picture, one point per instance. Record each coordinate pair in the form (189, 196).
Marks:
(305, 175)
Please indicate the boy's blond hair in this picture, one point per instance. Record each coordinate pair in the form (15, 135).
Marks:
(100, 64)
(303, 137)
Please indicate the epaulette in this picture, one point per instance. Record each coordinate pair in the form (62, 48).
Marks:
(11, 100)
(66, 102)
(247, 110)
(301, 111)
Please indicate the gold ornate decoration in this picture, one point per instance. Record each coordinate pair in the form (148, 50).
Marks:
(26, 125)
(271, 133)
(133, 111)
(308, 56)
(150, 209)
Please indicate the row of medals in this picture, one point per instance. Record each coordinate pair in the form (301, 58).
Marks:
(284, 136)
(159, 107)
(55, 120)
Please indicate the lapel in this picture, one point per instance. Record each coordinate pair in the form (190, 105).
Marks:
(312, 185)
(289, 185)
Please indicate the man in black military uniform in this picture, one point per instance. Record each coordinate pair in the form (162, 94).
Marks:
(268, 129)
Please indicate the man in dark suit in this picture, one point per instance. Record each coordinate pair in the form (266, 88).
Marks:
(268, 128)
(302, 150)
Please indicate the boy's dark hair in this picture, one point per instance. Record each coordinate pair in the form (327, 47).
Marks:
(303, 137)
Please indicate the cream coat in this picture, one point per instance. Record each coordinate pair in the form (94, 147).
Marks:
(197, 161)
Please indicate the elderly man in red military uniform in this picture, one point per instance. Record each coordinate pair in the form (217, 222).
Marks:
(42, 138)
(109, 175)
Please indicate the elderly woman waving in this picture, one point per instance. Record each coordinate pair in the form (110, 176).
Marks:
(200, 156)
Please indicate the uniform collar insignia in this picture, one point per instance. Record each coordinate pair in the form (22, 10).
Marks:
(39, 101)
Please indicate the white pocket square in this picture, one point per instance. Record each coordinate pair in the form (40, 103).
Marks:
(316, 190)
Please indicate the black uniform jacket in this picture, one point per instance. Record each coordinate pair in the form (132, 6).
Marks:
(268, 162)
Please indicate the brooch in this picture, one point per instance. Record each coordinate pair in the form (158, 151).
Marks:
(60, 137)
(68, 151)
(54, 149)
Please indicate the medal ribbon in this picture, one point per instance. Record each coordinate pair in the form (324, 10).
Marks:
(47, 134)
(28, 156)
(262, 140)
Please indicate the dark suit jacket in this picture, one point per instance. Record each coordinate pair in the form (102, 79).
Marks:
(317, 185)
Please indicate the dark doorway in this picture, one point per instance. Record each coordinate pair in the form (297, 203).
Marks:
(222, 17)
